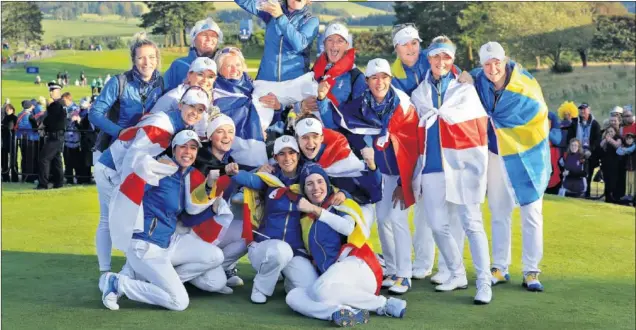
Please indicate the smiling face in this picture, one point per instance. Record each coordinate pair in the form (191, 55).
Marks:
(206, 42)
(191, 114)
(495, 70)
(203, 79)
(614, 122)
(574, 146)
(335, 47)
(287, 159)
(409, 52)
(310, 144)
(315, 188)
(146, 60)
(441, 64)
(232, 67)
(222, 138)
(186, 154)
(297, 4)
(379, 85)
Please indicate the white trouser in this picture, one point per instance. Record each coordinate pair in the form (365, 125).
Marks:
(232, 244)
(439, 212)
(107, 181)
(424, 243)
(501, 202)
(394, 231)
(271, 257)
(349, 282)
(160, 272)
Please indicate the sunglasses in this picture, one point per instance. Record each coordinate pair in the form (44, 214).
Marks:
(228, 50)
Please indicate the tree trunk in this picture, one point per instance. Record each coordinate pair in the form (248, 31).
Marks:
(470, 52)
(180, 31)
(538, 62)
(166, 41)
(583, 54)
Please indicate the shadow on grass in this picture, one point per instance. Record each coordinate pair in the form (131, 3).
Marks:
(41, 290)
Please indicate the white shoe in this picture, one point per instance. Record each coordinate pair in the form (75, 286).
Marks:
(108, 285)
(226, 290)
(258, 297)
(232, 278)
(394, 307)
(440, 277)
(456, 282)
(420, 274)
(483, 295)
(388, 281)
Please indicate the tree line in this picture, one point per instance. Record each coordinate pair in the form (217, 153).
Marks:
(72, 10)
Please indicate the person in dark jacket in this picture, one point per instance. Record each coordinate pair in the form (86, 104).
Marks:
(574, 174)
(51, 153)
(587, 130)
(9, 164)
(610, 163)
(72, 148)
(27, 133)
(88, 136)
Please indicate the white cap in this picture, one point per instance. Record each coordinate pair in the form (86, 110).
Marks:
(377, 65)
(201, 64)
(194, 96)
(405, 35)
(205, 25)
(308, 125)
(184, 136)
(84, 103)
(338, 29)
(490, 50)
(216, 121)
(285, 141)
(617, 109)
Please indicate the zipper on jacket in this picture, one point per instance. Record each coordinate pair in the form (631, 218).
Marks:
(439, 130)
(386, 161)
(286, 221)
(153, 226)
(324, 259)
(280, 56)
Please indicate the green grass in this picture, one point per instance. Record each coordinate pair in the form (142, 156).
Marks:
(49, 276)
(352, 9)
(602, 87)
(54, 29)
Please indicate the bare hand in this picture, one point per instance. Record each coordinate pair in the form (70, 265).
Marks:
(309, 105)
(123, 131)
(272, 8)
(305, 206)
(231, 169)
(167, 161)
(465, 78)
(270, 101)
(213, 175)
(266, 169)
(368, 154)
(323, 89)
(398, 198)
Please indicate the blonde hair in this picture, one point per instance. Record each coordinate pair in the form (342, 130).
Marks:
(220, 57)
(140, 39)
(442, 40)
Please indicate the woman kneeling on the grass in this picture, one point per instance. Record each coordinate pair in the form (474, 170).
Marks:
(337, 239)
(162, 260)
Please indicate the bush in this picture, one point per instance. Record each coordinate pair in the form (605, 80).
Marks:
(562, 67)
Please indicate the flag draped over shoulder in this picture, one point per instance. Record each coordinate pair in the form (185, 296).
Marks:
(401, 130)
(337, 159)
(234, 98)
(254, 203)
(213, 227)
(520, 120)
(463, 124)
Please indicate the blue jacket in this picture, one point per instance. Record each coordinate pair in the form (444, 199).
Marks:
(163, 205)
(72, 135)
(281, 218)
(325, 243)
(343, 90)
(288, 40)
(407, 78)
(27, 127)
(178, 70)
(131, 107)
(433, 144)
(555, 129)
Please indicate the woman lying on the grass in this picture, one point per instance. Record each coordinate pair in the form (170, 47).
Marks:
(337, 239)
(137, 147)
(160, 259)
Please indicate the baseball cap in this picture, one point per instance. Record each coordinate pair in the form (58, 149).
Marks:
(54, 85)
(26, 104)
(338, 29)
(194, 96)
(377, 65)
(207, 24)
(201, 64)
(184, 136)
(490, 50)
(285, 141)
(583, 106)
(84, 103)
(406, 34)
(617, 109)
(308, 125)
